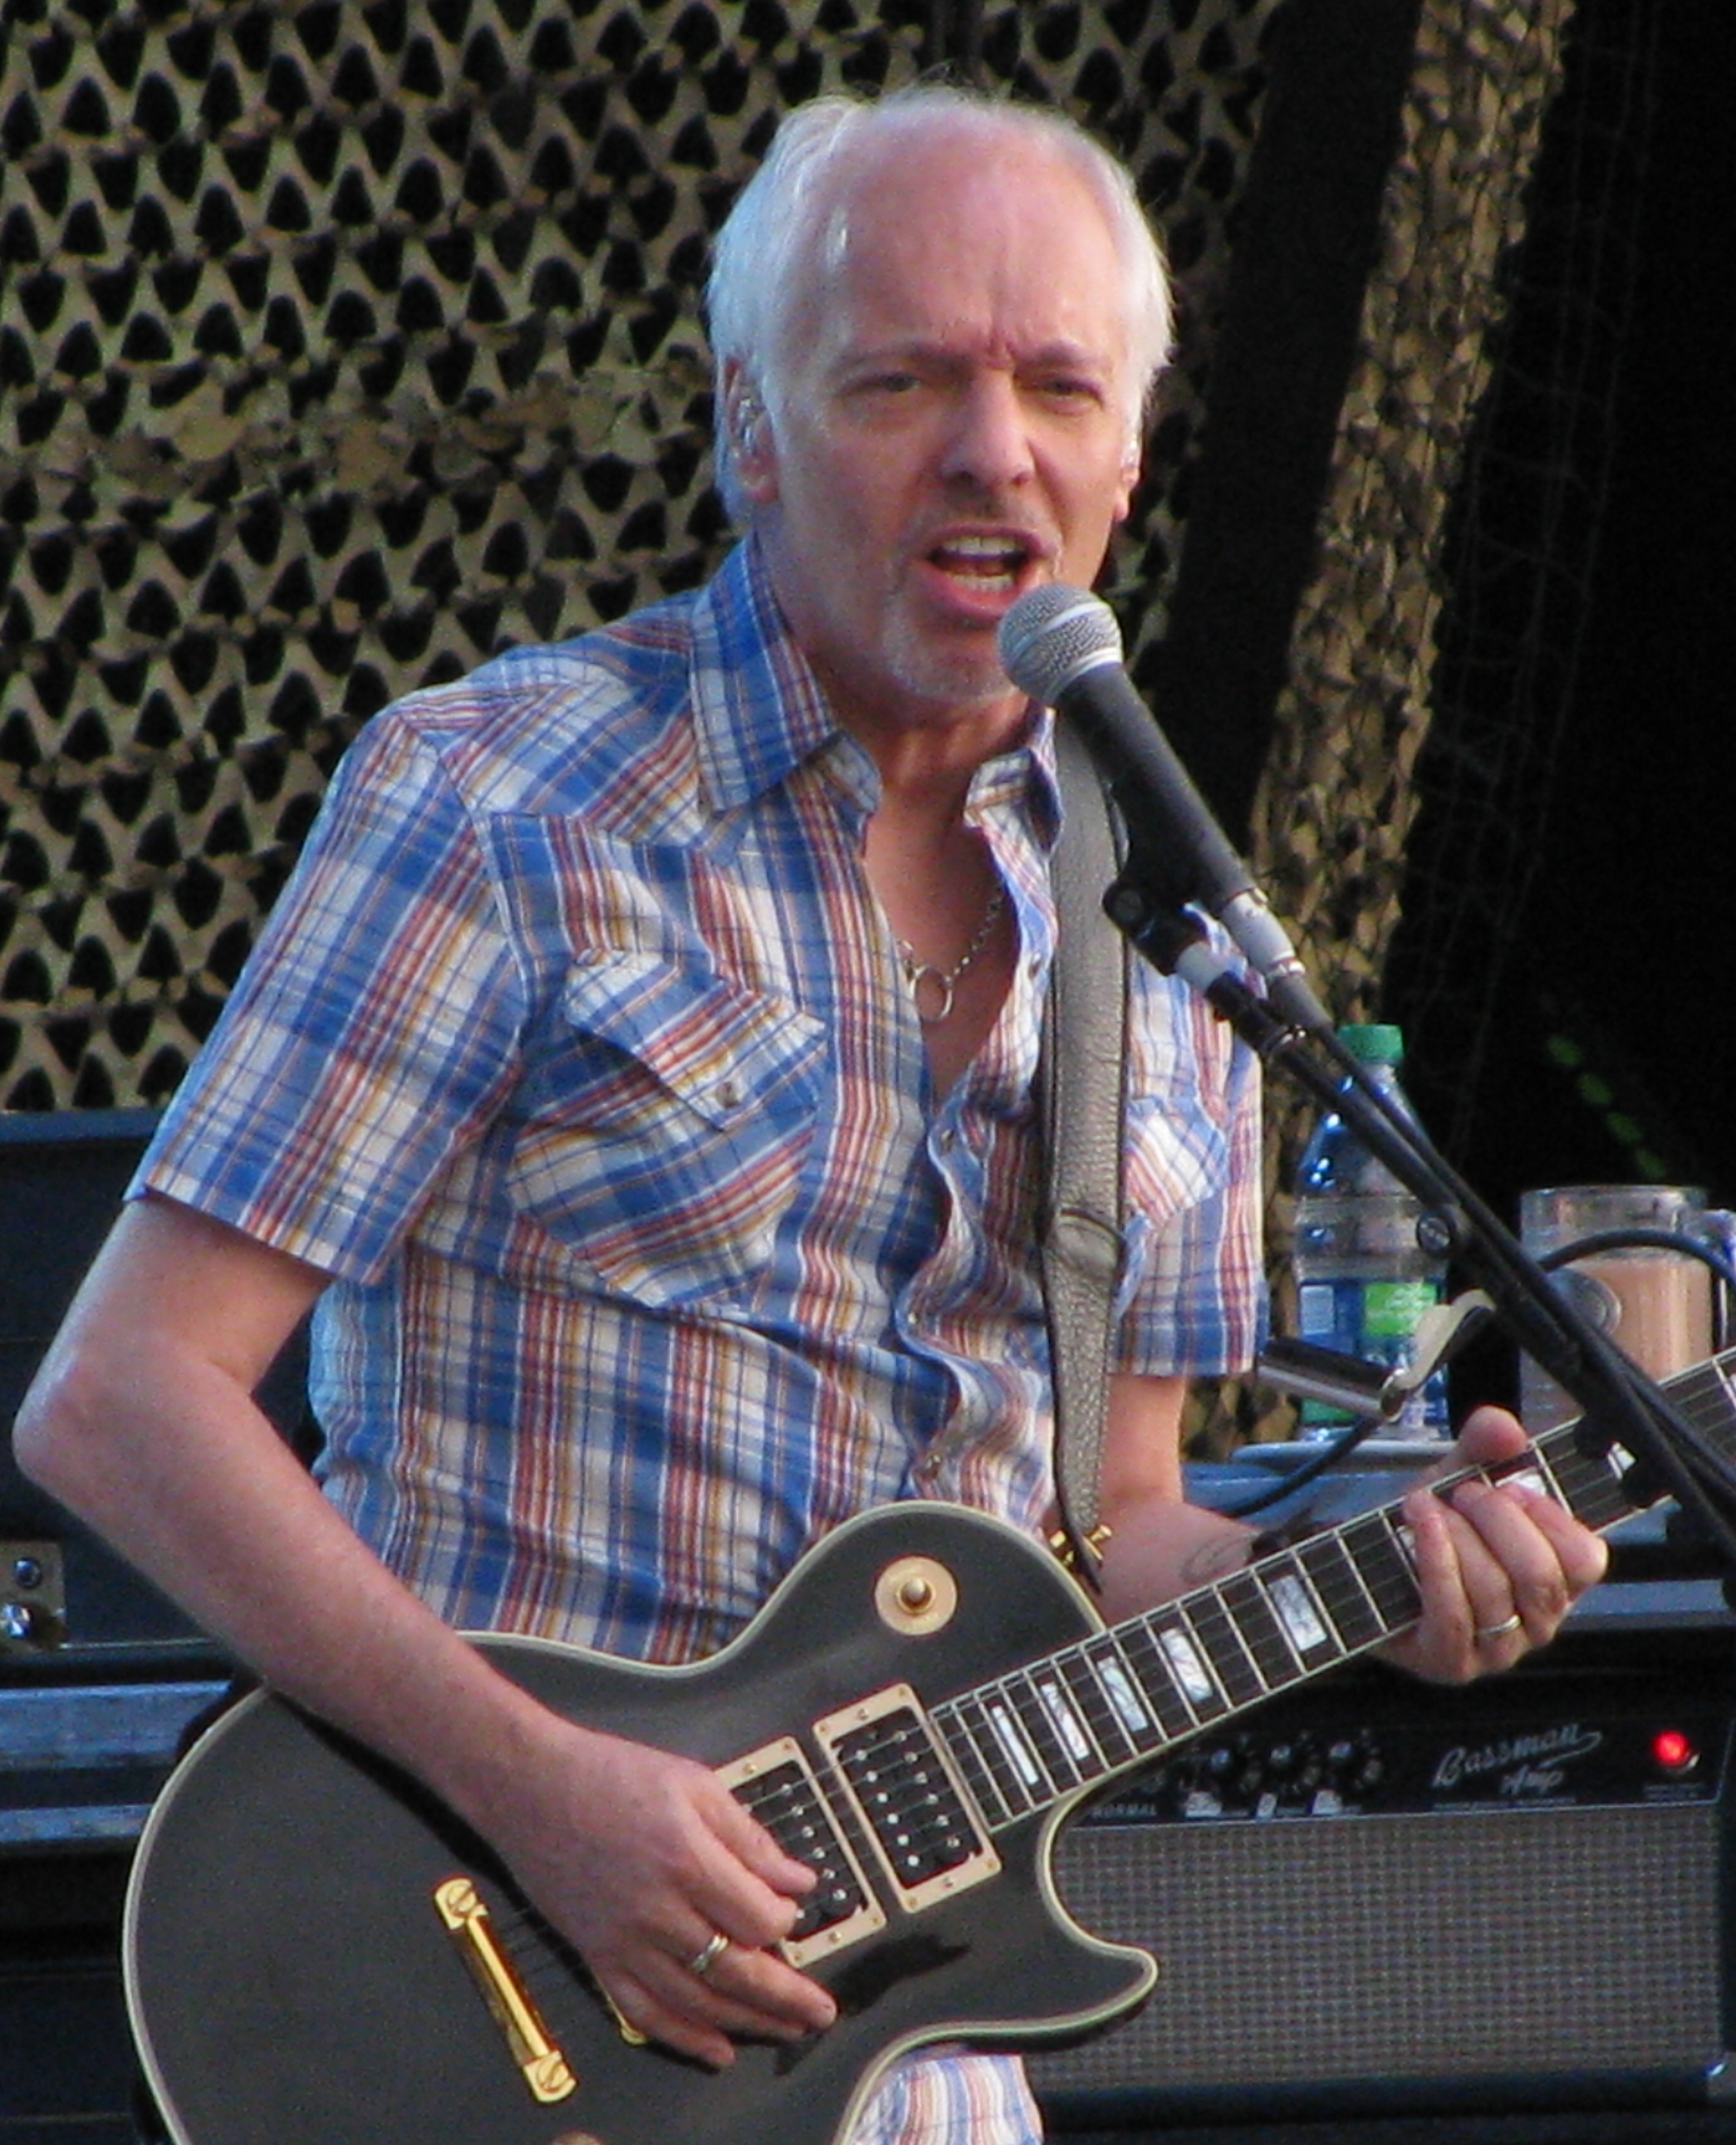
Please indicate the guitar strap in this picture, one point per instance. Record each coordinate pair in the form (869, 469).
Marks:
(1081, 1077)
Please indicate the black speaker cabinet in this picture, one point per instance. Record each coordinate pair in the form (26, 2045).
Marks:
(1380, 1897)
(61, 1178)
(63, 1591)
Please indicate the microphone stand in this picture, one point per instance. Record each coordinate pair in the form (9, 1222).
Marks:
(1624, 1408)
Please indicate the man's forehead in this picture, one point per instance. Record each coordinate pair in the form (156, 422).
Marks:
(955, 181)
(937, 244)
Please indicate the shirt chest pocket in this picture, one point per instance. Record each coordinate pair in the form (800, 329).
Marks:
(668, 1127)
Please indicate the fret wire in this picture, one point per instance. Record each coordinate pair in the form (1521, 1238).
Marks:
(954, 1730)
(1235, 1666)
(1157, 1683)
(1543, 1459)
(1188, 1660)
(1338, 1584)
(1040, 1729)
(1125, 1692)
(1575, 1473)
(1065, 1716)
(1719, 1395)
(1015, 1788)
(1701, 1394)
(1110, 1742)
(1007, 1727)
(1244, 1596)
(1361, 1535)
(1591, 1484)
(1298, 1608)
(989, 1759)
(1323, 1561)
(1390, 1574)
(1108, 1731)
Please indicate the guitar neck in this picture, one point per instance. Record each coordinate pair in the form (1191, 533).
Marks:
(1126, 1696)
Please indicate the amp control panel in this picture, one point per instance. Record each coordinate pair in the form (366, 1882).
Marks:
(1589, 1725)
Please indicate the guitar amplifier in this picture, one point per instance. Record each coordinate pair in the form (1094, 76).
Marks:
(1380, 1897)
(99, 1673)
(61, 1178)
(63, 1591)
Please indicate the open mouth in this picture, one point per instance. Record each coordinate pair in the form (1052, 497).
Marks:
(992, 565)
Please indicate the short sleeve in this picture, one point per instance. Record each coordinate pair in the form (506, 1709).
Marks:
(1193, 1296)
(369, 1036)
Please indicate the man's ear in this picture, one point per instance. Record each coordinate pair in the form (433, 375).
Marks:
(1132, 462)
(750, 437)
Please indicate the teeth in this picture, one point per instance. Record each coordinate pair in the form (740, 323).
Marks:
(983, 558)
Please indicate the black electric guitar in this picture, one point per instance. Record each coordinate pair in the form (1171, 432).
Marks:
(318, 1953)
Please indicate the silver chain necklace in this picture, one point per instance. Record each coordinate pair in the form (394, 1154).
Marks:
(941, 983)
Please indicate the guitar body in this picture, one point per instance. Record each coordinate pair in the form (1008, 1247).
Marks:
(292, 1981)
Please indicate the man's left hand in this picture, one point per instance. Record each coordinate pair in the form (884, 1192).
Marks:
(1500, 1563)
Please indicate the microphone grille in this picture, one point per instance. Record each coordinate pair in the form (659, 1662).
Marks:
(1054, 635)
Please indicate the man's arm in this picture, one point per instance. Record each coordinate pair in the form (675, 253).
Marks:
(141, 1420)
(1485, 1555)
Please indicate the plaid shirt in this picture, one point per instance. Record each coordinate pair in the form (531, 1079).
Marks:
(577, 1051)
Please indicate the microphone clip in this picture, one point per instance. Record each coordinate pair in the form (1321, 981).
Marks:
(1371, 1390)
(1173, 938)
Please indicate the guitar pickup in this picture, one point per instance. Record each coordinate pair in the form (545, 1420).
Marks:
(776, 1783)
(915, 1808)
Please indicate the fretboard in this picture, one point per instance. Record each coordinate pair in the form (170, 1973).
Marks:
(1126, 1695)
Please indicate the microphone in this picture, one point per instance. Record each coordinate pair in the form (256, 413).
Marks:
(1062, 647)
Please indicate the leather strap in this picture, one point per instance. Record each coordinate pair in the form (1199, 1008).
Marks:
(1080, 1082)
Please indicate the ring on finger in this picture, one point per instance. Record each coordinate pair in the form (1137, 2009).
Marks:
(708, 1953)
(1491, 1635)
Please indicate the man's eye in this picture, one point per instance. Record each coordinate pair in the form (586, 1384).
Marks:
(1065, 388)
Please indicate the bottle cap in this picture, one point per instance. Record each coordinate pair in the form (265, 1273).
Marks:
(1378, 1043)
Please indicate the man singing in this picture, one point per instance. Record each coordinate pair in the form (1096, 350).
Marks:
(638, 1075)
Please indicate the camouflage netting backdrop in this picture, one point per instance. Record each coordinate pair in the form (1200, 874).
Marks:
(342, 345)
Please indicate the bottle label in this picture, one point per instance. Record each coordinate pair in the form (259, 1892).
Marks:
(1375, 1321)
(1392, 1309)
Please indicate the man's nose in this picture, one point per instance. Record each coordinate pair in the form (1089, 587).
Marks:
(989, 441)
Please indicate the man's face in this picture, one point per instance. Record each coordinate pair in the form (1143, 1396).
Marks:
(956, 424)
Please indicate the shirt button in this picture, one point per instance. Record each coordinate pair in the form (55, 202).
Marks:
(927, 1467)
(729, 1094)
(945, 1139)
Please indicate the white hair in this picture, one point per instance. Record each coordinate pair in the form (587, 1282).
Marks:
(770, 235)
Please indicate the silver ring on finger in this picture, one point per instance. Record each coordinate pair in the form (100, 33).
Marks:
(1491, 1635)
(708, 1955)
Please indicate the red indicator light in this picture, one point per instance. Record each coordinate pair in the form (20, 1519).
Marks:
(1673, 1752)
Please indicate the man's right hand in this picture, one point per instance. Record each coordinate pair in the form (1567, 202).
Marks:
(142, 1419)
(642, 1859)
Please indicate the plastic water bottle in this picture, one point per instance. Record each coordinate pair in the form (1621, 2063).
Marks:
(1363, 1281)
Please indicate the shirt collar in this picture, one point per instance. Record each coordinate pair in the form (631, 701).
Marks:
(1025, 777)
(759, 712)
